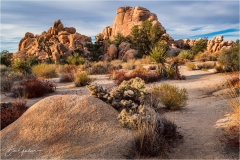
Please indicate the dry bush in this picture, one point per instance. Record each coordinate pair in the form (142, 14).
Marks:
(8, 78)
(61, 69)
(44, 70)
(66, 77)
(129, 65)
(101, 67)
(153, 139)
(148, 77)
(82, 79)
(232, 132)
(11, 112)
(146, 60)
(33, 88)
(191, 66)
(206, 65)
(171, 96)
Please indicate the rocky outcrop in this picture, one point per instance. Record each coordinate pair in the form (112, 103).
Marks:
(66, 127)
(217, 44)
(61, 41)
(126, 18)
(214, 45)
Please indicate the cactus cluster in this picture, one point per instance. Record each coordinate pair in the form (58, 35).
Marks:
(127, 98)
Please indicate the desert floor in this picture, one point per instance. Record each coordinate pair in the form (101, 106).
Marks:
(200, 122)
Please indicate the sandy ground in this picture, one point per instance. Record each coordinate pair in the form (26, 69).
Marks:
(197, 122)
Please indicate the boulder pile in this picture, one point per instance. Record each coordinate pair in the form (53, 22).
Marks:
(57, 41)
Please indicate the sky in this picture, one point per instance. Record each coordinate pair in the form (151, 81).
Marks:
(182, 19)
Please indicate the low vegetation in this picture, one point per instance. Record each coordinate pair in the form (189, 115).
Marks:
(12, 111)
(33, 88)
(44, 70)
(171, 96)
(82, 79)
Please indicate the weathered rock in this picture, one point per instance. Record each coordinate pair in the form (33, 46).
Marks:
(66, 127)
(113, 51)
(129, 54)
(126, 18)
(62, 41)
(70, 30)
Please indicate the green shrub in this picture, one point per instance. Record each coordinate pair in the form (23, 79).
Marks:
(33, 60)
(5, 58)
(21, 66)
(82, 79)
(75, 59)
(230, 58)
(158, 54)
(185, 54)
(171, 96)
(199, 46)
(44, 70)
(191, 66)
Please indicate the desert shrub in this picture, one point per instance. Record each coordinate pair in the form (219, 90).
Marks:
(82, 79)
(158, 54)
(231, 131)
(6, 83)
(99, 68)
(206, 65)
(199, 46)
(230, 58)
(145, 75)
(4, 68)
(191, 66)
(33, 88)
(44, 70)
(185, 54)
(61, 69)
(5, 58)
(145, 37)
(171, 96)
(8, 78)
(66, 77)
(146, 60)
(152, 139)
(75, 59)
(11, 112)
(33, 60)
(129, 65)
(21, 66)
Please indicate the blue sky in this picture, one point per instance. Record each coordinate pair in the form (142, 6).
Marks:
(181, 19)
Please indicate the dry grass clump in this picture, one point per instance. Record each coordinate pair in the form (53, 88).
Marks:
(152, 139)
(171, 96)
(191, 66)
(101, 67)
(61, 69)
(44, 70)
(232, 132)
(12, 111)
(206, 65)
(146, 60)
(82, 79)
(129, 65)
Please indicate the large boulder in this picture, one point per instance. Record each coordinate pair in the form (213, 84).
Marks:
(66, 127)
(126, 18)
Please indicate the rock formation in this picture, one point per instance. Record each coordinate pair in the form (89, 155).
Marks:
(127, 18)
(214, 45)
(57, 41)
(66, 127)
(217, 44)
